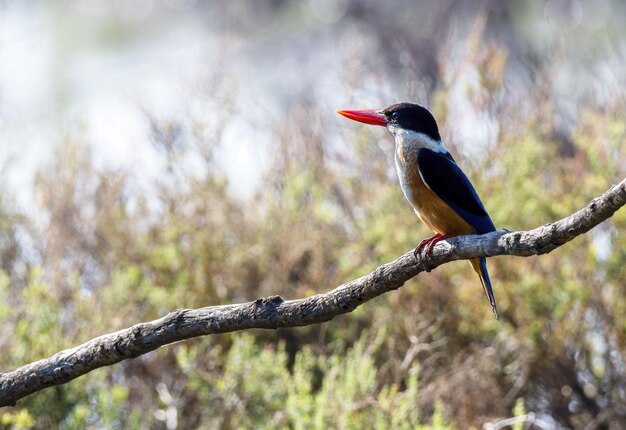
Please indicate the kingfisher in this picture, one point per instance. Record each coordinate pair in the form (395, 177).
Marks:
(440, 193)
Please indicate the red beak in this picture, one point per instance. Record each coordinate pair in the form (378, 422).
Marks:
(368, 116)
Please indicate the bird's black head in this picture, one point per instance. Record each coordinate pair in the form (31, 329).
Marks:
(405, 116)
(411, 116)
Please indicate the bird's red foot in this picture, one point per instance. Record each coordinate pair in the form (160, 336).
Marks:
(429, 243)
(424, 243)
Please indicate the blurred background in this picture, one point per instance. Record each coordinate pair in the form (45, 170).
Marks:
(164, 154)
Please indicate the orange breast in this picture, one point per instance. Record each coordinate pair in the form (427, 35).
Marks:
(433, 211)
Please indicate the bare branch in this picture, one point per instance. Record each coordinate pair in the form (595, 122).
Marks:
(274, 312)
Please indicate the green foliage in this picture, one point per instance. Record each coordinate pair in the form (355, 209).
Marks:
(519, 411)
(19, 420)
(255, 389)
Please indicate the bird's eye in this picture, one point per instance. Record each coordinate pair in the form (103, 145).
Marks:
(395, 115)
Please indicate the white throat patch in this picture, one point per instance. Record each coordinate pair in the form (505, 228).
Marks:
(413, 139)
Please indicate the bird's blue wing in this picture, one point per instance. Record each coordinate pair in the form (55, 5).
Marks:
(447, 180)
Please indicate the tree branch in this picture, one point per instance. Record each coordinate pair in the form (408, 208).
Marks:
(274, 312)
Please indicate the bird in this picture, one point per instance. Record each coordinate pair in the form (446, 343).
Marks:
(440, 193)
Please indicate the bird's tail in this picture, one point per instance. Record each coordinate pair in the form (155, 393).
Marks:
(480, 267)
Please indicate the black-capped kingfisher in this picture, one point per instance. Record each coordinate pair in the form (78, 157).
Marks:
(440, 193)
